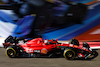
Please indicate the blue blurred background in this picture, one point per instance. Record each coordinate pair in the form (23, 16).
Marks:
(51, 19)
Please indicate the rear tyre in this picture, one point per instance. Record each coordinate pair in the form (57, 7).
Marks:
(69, 54)
(11, 52)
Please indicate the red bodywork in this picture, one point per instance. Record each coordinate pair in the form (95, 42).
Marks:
(41, 45)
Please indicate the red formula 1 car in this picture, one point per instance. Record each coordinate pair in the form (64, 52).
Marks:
(38, 47)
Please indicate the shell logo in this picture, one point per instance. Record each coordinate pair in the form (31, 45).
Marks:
(44, 51)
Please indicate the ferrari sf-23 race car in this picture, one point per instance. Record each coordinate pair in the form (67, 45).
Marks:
(51, 48)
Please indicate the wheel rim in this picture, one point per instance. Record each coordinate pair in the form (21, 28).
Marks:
(11, 52)
(69, 54)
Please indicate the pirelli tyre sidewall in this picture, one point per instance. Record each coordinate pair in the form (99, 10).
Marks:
(69, 54)
(11, 52)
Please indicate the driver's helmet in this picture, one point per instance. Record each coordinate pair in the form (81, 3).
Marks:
(45, 41)
(51, 41)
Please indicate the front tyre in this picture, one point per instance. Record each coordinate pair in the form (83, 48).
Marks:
(11, 52)
(69, 54)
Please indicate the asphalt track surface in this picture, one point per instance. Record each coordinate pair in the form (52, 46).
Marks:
(46, 62)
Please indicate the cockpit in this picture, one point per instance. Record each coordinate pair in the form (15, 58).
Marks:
(52, 41)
